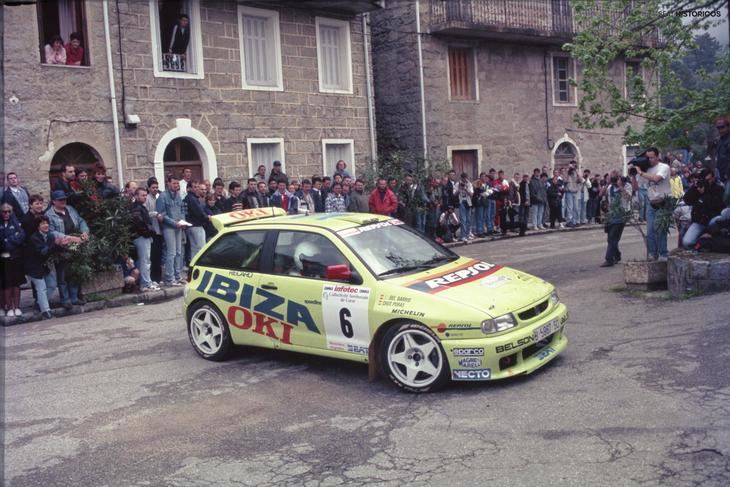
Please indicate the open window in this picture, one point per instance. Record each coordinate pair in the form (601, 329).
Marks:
(265, 152)
(62, 31)
(633, 78)
(333, 55)
(176, 38)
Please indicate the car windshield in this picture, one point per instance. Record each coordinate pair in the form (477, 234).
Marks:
(389, 249)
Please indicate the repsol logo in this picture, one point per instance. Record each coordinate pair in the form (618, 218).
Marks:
(517, 344)
(246, 315)
(467, 273)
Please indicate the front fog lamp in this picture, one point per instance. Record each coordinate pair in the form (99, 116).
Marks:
(554, 298)
(501, 323)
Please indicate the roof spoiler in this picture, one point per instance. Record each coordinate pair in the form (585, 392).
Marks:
(241, 216)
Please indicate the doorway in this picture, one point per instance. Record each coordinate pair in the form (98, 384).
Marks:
(180, 154)
(465, 161)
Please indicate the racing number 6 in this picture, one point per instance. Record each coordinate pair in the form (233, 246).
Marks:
(345, 323)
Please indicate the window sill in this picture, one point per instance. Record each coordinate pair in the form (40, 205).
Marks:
(567, 105)
(334, 91)
(464, 100)
(176, 74)
(67, 66)
(262, 88)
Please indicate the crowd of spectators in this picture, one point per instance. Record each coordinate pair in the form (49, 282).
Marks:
(169, 227)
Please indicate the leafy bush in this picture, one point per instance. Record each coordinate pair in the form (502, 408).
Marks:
(399, 163)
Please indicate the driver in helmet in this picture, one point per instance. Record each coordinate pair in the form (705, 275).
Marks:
(308, 260)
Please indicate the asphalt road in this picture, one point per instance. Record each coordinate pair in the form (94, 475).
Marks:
(640, 397)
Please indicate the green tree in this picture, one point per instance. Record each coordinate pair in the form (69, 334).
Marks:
(683, 87)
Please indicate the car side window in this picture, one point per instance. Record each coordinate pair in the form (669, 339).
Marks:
(236, 250)
(305, 254)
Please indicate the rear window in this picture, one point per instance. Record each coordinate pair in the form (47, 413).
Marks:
(236, 250)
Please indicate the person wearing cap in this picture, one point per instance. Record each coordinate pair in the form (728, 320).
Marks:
(277, 174)
(66, 221)
(705, 197)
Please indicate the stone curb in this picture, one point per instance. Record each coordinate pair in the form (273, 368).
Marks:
(124, 300)
(529, 233)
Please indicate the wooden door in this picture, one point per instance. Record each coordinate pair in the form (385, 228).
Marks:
(465, 161)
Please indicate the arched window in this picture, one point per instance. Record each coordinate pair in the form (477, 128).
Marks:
(180, 154)
(80, 155)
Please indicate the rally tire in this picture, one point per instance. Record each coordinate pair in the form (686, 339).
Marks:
(208, 331)
(411, 357)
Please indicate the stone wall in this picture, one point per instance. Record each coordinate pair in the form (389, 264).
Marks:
(690, 273)
(508, 120)
(59, 105)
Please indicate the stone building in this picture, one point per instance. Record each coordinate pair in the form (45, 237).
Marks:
(485, 83)
(244, 83)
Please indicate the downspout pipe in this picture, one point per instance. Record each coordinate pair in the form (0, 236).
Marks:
(113, 91)
(369, 87)
(420, 79)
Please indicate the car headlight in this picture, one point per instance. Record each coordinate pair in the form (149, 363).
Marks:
(501, 323)
(554, 298)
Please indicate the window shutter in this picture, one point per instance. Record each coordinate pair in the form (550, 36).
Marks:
(461, 73)
(257, 47)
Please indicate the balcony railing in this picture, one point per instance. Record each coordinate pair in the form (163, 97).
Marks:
(537, 20)
(174, 62)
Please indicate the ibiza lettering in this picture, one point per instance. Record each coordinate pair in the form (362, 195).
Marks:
(517, 344)
(269, 305)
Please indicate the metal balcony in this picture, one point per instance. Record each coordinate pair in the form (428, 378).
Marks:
(338, 7)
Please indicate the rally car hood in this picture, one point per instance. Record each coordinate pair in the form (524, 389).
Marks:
(488, 288)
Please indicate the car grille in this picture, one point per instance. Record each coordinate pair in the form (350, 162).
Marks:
(528, 352)
(534, 311)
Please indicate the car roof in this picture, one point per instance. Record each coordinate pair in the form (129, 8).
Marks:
(276, 217)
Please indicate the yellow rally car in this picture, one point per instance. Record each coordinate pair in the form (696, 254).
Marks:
(367, 288)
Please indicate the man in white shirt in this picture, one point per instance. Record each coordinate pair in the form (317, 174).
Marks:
(658, 188)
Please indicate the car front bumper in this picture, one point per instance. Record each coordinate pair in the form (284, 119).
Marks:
(518, 352)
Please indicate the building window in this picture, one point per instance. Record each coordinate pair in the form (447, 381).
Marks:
(633, 70)
(333, 55)
(563, 72)
(462, 73)
(62, 30)
(260, 49)
(334, 150)
(176, 38)
(265, 151)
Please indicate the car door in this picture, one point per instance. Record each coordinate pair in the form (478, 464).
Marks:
(228, 273)
(312, 293)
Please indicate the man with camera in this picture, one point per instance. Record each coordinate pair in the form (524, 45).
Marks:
(656, 175)
(706, 199)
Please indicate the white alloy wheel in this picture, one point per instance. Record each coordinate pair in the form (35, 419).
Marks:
(415, 358)
(208, 332)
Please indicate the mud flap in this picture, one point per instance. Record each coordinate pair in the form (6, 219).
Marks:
(372, 362)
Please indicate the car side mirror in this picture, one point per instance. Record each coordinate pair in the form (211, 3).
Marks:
(339, 272)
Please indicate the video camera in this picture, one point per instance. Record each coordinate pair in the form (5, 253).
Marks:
(640, 161)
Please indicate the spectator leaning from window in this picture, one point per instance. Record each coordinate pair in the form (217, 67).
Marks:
(144, 232)
(180, 37)
(16, 196)
(74, 51)
(277, 174)
(170, 214)
(42, 244)
(65, 220)
(358, 198)
(705, 197)
(382, 200)
(340, 169)
(12, 238)
(55, 52)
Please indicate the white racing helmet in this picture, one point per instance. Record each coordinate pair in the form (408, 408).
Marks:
(306, 255)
